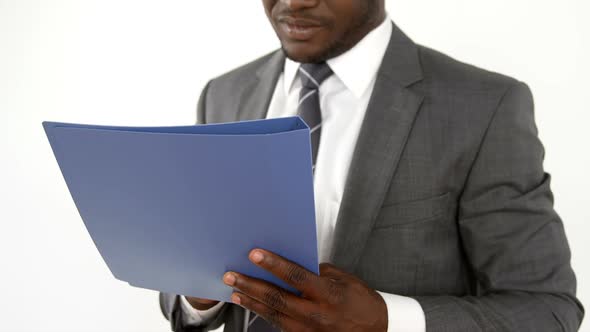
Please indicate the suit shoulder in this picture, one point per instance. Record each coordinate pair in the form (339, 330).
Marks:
(470, 94)
(242, 73)
(445, 71)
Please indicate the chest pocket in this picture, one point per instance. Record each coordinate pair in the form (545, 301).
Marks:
(413, 212)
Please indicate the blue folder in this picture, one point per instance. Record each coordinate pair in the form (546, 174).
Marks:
(173, 208)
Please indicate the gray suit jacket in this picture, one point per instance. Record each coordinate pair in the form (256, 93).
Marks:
(446, 200)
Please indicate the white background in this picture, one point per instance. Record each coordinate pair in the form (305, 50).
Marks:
(130, 62)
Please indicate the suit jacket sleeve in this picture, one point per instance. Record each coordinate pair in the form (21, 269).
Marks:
(170, 303)
(512, 236)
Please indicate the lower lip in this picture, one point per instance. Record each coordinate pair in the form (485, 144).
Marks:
(299, 32)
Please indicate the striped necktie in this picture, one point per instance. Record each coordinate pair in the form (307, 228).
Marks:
(312, 76)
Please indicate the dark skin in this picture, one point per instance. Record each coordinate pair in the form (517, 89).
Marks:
(337, 25)
(312, 31)
(333, 301)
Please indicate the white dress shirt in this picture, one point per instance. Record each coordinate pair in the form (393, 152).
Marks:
(343, 101)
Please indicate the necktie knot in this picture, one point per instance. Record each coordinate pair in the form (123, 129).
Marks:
(313, 74)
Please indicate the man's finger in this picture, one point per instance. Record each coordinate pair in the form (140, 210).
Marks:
(276, 318)
(330, 270)
(293, 274)
(274, 297)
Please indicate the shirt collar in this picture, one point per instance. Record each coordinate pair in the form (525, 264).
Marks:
(356, 67)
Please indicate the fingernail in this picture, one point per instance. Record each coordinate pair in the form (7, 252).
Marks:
(229, 278)
(257, 257)
(235, 299)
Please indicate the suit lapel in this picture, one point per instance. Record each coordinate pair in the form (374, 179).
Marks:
(256, 96)
(384, 132)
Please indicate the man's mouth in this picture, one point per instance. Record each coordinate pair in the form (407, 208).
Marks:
(299, 29)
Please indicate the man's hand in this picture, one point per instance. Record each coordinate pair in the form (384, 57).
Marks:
(333, 301)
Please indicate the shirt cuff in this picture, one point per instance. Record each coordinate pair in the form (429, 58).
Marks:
(197, 317)
(403, 314)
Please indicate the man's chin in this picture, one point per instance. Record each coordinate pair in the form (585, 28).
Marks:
(303, 54)
(303, 57)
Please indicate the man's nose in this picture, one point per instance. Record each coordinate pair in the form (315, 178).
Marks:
(300, 4)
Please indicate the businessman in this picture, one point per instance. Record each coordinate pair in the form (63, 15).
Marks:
(434, 212)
